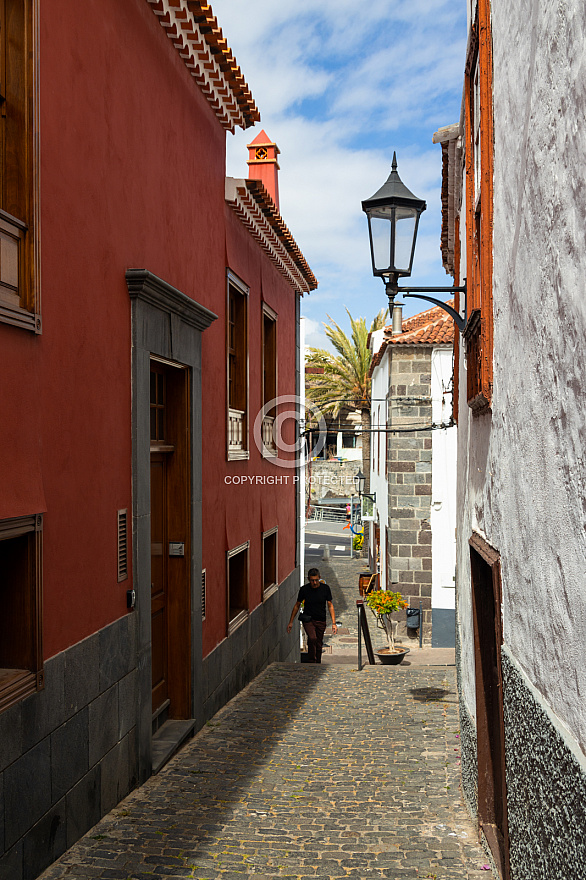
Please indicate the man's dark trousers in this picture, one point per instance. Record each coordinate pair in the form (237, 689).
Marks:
(315, 630)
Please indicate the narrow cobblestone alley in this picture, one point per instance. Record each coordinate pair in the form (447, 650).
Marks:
(311, 771)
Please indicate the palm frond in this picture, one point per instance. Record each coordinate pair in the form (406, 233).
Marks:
(343, 379)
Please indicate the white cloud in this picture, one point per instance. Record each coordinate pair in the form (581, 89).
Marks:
(338, 90)
(314, 334)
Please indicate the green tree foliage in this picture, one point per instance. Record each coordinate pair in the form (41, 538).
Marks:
(342, 380)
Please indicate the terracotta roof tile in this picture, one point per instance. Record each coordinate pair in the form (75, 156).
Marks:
(198, 39)
(253, 204)
(212, 34)
(432, 327)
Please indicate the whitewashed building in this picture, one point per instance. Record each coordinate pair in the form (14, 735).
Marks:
(518, 235)
(413, 467)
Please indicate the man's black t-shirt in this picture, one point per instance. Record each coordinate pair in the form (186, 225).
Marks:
(315, 600)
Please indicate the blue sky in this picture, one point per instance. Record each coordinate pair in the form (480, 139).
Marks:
(339, 86)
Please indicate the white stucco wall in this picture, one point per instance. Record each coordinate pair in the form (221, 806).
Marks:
(378, 481)
(349, 453)
(523, 483)
(302, 464)
(443, 499)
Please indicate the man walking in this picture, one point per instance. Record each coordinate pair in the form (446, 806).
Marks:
(316, 595)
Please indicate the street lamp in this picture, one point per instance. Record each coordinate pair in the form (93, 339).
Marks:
(359, 484)
(366, 506)
(393, 214)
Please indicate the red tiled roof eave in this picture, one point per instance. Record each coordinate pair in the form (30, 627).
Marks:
(431, 327)
(264, 199)
(256, 209)
(212, 34)
(197, 38)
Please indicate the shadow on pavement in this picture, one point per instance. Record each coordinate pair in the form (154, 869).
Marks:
(216, 776)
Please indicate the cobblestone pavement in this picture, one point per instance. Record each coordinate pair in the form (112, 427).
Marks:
(310, 772)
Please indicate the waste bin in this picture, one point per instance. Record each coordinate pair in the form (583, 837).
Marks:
(413, 618)
(364, 579)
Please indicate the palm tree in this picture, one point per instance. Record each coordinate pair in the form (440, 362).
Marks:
(342, 380)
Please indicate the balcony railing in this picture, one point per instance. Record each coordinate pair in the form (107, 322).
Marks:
(236, 431)
(268, 436)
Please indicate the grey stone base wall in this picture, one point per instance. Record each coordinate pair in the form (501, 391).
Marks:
(546, 786)
(468, 739)
(262, 639)
(469, 765)
(68, 753)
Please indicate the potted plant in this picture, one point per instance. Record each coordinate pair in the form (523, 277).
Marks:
(383, 603)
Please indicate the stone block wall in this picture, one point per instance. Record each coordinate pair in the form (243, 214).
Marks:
(68, 754)
(331, 479)
(261, 640)
(409, 463)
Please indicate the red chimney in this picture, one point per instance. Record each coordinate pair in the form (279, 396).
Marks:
(263, 165)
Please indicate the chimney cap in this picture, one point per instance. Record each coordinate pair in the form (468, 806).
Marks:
(262, 140)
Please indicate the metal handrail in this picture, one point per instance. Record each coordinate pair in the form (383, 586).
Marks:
(324, 513)
(364, 630)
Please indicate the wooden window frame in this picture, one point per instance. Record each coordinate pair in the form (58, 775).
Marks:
(269, 449)
(237, 417)
(20, 289)
(238, 619)
(204, 593)
(479, 211)
(18, 682)
(270, 588)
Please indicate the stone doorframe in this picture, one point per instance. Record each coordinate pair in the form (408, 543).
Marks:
(168, 324)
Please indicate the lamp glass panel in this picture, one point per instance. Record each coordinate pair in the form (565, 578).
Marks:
(404, 232)
(380, 230)
(368, 508)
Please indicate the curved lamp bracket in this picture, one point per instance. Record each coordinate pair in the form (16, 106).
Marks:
(461, 321)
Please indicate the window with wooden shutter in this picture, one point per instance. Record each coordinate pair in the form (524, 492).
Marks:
(21, 570)
(237, 583)
(269, 379)
(19, 204)
(237, 368)
(479, 211)
(269, 562)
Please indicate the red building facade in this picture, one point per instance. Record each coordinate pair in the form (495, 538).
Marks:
(148, 310)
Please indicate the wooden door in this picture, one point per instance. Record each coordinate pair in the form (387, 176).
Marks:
(492, 795)
(170, 542)
(159, 587)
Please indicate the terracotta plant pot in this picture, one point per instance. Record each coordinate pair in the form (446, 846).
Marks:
(391, 658)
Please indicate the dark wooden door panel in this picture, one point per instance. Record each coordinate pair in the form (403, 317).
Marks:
(170, 523)
(492, 793)
(158, 581)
